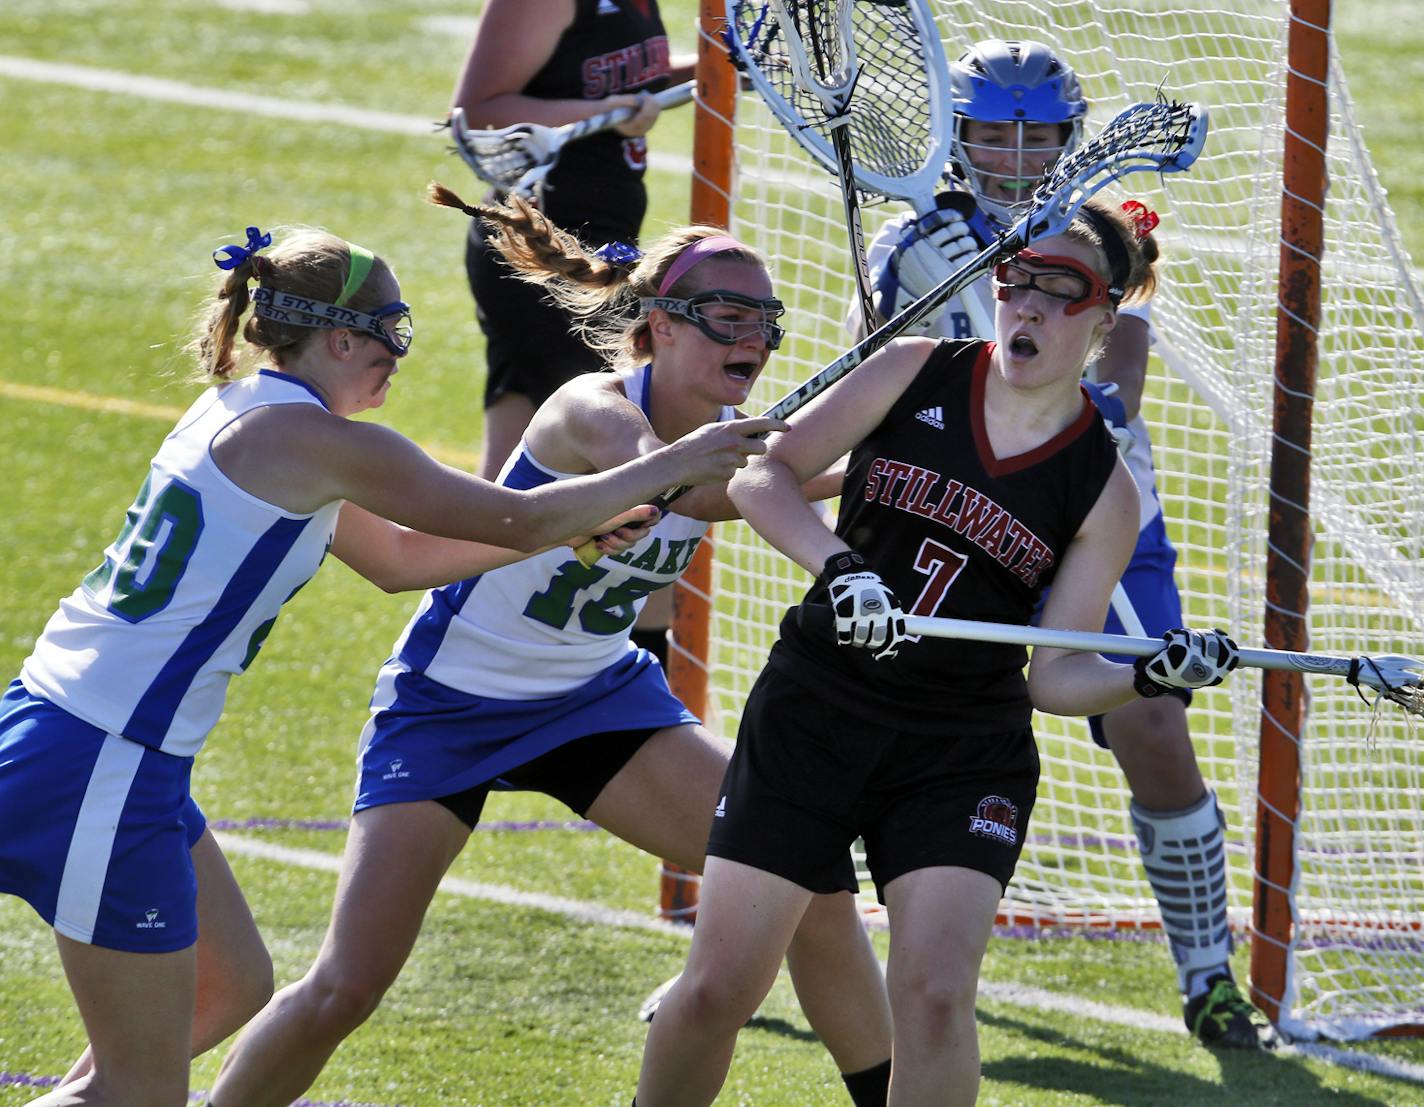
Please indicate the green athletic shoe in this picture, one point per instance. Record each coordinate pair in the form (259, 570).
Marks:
(1222, 1018)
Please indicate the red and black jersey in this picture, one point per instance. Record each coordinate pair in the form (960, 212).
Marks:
(956, 532)
(612, 47)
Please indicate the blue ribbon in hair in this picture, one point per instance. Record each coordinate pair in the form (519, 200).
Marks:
(619, 253)
(230, 257)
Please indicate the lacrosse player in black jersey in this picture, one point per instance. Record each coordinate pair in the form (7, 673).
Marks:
(554, 63)
(1017, 107)
(980, 472)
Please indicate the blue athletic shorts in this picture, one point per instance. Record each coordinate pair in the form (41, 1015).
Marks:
(425, 740)
(1149, 584)
(96, 831)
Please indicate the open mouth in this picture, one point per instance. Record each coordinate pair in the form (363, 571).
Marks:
(741, 370)
(1021, 345)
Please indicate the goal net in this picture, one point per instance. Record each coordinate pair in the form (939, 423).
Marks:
(1355, 951)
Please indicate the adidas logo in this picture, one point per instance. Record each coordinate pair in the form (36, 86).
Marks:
(721, 812)
(607, 7)
(934, 416)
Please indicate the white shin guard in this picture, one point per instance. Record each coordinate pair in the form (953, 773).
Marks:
(1184, 853)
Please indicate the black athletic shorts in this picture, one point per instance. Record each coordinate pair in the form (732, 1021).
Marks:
(531, 347)
(806, 779)
(573, 773)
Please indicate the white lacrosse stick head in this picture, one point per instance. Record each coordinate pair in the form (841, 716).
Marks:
(1396, 678)
(514, 159)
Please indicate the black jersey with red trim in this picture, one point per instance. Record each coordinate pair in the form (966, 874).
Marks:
(956, 532)
(612, 47)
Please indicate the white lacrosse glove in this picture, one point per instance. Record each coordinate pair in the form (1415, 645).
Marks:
(867, 614)
(1113, 411)
(928, 250)
(1190, 659)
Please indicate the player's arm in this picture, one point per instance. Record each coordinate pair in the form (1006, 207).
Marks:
(398, 559)
(1124, 361)
(515, 40)
(589, 426)
(770, 493)
(301, 457)
(1070, 682)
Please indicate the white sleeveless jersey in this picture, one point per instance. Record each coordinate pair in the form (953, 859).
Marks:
(546, 625)
(187, 593)
(956, 322)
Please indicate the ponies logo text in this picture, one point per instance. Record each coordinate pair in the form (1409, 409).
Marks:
(997, 819)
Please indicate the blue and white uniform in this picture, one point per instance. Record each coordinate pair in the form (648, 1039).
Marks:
(98, 734)
(1148, 579)
(495, 670)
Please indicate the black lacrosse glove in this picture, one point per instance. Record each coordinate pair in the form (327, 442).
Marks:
(1189, 659)
(867, 614)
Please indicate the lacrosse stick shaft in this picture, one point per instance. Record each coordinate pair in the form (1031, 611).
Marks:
(1015, 635)
(793, 401)
(1054, 209)
(672, 97)
(534, 149)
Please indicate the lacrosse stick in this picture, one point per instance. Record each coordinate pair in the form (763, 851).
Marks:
(516, 159)
(821, 59)
(893, 137)
(1395, 678)
(1161, 138)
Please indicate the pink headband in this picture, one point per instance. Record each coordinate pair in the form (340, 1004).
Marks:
(700, 250)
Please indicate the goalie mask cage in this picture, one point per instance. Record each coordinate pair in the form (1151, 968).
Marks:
(1321, 795)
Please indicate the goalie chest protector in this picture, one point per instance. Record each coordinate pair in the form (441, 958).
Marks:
(955, 532)
(612, 48)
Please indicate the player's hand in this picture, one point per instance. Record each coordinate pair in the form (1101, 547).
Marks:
(711, 454)
(624, 531)
(928, 251)
(647, 110)
(1113, 411)
(1189, 659)
(867, 613)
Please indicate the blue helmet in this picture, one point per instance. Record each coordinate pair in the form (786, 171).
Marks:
(1023, 83)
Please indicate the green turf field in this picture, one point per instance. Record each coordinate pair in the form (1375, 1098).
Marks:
(113, 194)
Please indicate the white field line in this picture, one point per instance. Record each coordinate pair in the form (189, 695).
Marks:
(1017, 995)
(305, 111)
(577, 910)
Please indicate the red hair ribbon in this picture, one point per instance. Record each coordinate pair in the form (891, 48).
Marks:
(1144, 219)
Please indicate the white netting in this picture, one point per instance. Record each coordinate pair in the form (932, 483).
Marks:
(1358, 959)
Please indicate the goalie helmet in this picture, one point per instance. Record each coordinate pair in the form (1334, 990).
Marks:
(1017, 84)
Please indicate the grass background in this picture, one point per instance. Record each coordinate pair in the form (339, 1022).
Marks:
(109, 205)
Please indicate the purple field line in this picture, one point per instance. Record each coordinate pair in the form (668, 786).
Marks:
(268, 823)
(25, 1080)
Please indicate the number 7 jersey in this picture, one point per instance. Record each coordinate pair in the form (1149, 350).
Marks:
(954, 531)
(187, 592)
(549, 624)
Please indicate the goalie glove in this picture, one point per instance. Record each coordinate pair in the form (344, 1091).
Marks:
(867, 613)
(1113, 411)
(926, 252)
(1190, 659)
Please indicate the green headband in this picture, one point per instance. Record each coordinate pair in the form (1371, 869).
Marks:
(361, 262)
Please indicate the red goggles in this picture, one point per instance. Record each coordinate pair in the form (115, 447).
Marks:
(1062, 278)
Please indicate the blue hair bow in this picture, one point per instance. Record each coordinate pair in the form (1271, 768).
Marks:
(230, 257)
(619, 253)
